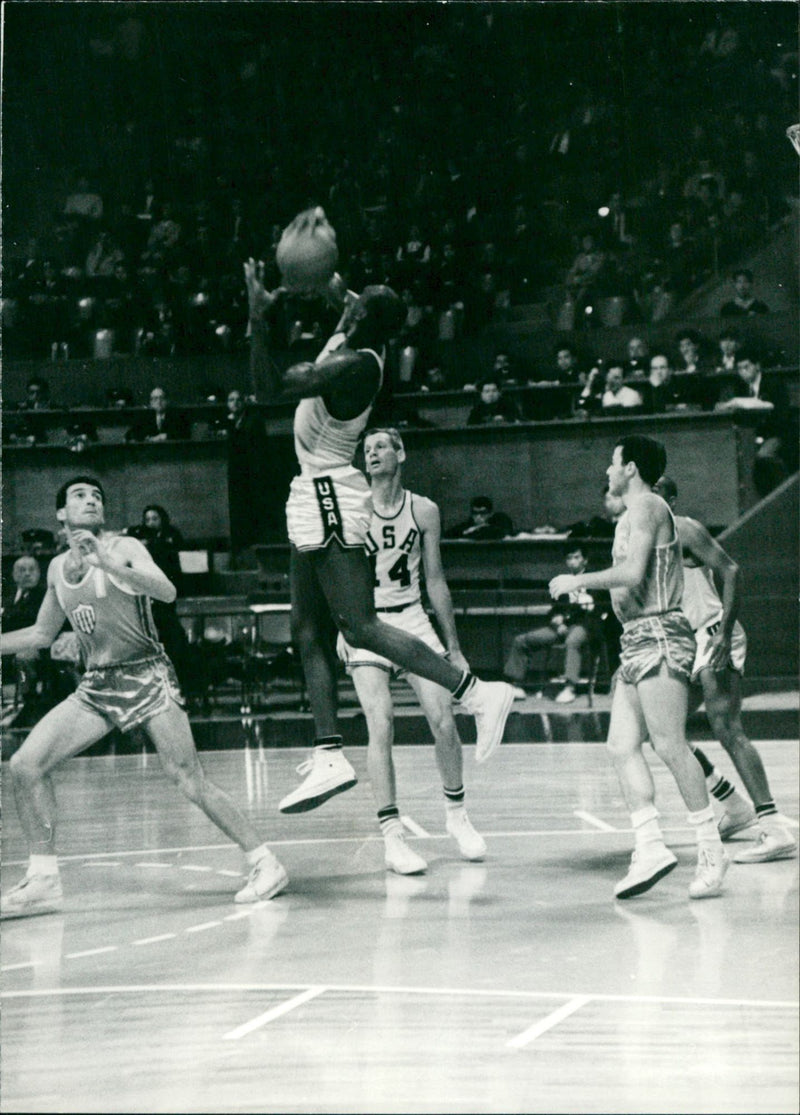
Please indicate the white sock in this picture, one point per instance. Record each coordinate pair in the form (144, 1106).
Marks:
(646, 828)
(705, 825)
(43, 865)
(257, 854)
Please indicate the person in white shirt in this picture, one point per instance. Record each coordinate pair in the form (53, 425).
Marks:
(617, 393)
(403, 540)
(328, 515)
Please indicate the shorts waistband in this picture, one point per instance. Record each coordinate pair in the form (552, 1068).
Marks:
(149, 660)
(398, 607)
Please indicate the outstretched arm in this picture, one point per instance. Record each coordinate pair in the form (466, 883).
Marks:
(43, 632)
(129, 562)
(429, 519)
(695, 537)
(630, 573)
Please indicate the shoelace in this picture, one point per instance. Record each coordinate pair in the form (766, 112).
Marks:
(306, 766)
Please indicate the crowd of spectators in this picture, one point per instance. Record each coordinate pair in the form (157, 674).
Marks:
(465, 198)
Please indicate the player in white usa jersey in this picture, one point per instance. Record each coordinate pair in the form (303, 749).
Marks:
(721, 649)
(404, 533)
(328, 514)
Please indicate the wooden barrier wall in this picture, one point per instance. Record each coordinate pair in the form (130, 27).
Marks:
(538, 473)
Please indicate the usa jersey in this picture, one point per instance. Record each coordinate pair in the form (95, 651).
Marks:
(322, 442)
(113, 624)
(394, 550)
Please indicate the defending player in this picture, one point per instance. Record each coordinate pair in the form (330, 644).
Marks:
(328, 514)
(103, 584)
(718, 668)
(405, 530)
(657, 653)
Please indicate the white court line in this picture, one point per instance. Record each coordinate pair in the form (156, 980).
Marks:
(154, 940)
(413, 827)
(194, 867)
(15, 967)
(233, 874)
(378, 989)
(104, 863)
(202, 927)
(276, 1012)
(590, 819)
(553, 1019)
(90, 952)
(239, 915)
(156, 864)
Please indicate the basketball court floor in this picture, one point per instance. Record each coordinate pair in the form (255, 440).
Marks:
(513, 985)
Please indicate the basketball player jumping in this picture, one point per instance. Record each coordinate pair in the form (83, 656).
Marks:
(103, 584)
(404, 532)
(718, 667)
(328, 515)
(657, 654)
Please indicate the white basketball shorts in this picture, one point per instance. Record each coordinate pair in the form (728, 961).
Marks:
(704, 636)
(413, 620)
(320, 508)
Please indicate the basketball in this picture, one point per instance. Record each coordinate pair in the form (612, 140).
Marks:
(307, 253)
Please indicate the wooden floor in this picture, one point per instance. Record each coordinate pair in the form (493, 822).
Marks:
(515, 985)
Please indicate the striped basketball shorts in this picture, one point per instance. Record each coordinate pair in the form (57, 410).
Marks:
(413, 620)
(131, 692)
(650, 640)
(704, 635)
(320, 508)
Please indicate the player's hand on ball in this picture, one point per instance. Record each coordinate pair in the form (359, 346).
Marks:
(258, 299)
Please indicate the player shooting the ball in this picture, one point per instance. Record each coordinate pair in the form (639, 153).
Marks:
(329, 507)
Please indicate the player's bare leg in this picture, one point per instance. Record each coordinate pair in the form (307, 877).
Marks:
(664, 703)
(372, 686)
(171, 735)
(64, 731)
(438, 708)
(723, 699)
(651, 859)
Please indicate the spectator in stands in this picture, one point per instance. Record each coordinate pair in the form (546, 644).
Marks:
(84, 202)
(37, 395)
(484, 523)
(662, 391)
(776, 435)
(689, 344)
(502, 369)
(161, 423)
(744, 304)
(573, 621)
(637, 364)
(103, 256)
(584, 273)
(680, 260)
(493, 406)
(20, 609)
(567, 369)
(258, 480)
(164, 541)
(618, 395)
(729, 344)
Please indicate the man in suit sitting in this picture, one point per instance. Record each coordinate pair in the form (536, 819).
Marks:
(161, 423)
(20, 608)
(776, 432)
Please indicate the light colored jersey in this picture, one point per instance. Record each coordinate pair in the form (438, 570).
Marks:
(323, 443)
(113, 624)
(662, 588)
(701, 603)
(393, 547)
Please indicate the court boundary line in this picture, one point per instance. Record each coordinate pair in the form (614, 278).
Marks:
(392, 989)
